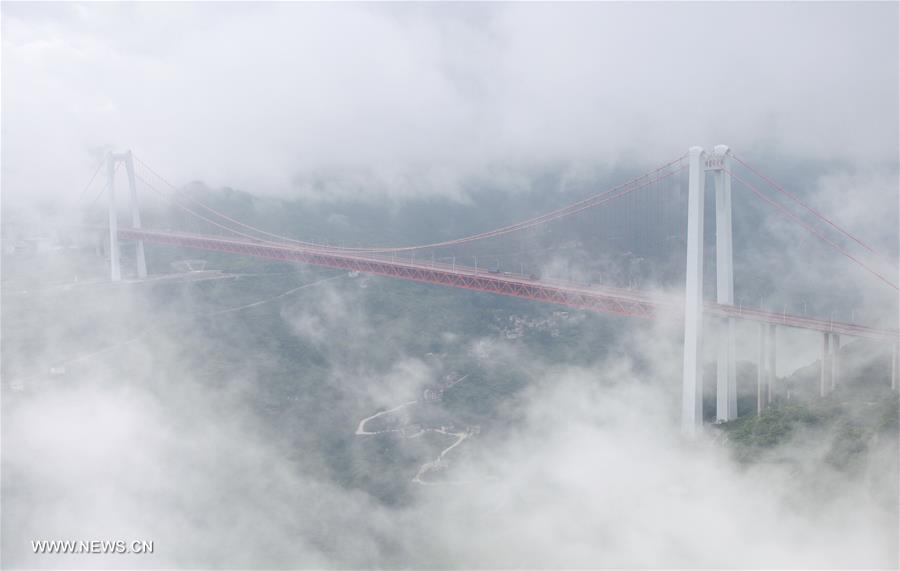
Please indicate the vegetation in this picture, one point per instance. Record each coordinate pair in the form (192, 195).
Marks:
(843, 426)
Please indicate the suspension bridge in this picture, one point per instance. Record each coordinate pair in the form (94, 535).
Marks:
(229, 235)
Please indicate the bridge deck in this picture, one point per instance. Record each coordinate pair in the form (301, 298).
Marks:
(579, 296)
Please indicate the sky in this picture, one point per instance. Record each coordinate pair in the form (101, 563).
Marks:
(416, 99)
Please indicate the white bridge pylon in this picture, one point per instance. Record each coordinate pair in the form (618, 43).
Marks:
(115, 270)
(719, 164)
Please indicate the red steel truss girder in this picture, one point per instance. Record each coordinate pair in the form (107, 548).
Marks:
(596, 301)
(800, 321)
(620, 303)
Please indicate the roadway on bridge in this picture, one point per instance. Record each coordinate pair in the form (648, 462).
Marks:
(575, 295)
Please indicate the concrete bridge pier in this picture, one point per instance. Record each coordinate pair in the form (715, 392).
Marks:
(770, 396)
(761, 382)
(835, 360)
(824, 370)
(895, 364)
(726, 376)
(765, 367)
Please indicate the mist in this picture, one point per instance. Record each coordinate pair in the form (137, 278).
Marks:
(247, 413)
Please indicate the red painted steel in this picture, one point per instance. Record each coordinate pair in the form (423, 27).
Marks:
(603, 299)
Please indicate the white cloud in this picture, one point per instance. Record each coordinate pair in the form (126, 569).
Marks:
(419, 97)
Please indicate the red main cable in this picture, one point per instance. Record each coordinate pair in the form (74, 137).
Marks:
(794, 197)
(200, 216)
(812, 230)
(565, 211)
(226, 217)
